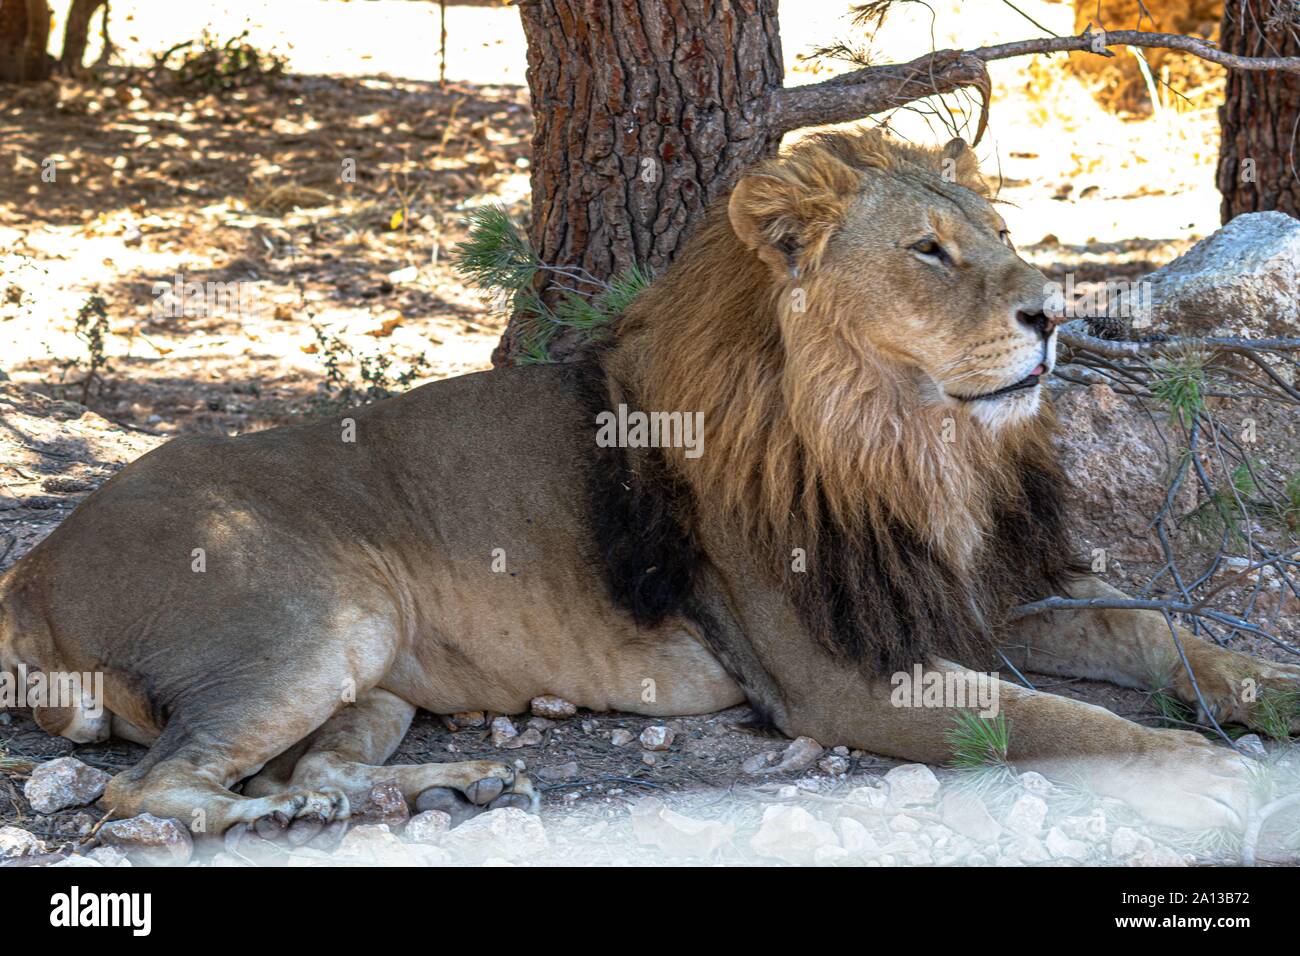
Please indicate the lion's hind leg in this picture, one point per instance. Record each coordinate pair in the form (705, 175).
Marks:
(348, 753)
(187, 773)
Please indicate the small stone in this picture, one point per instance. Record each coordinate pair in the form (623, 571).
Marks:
(1027, 849)
(654, 824)
(384, 804)
(759, 763)
(966, 813)
(541, 723)
(1026, 815)
(792, 834)
(373, 845)
(529, 738)
(657, 737)
(1158, 856)
(874, 797)
(552, 707)
(1036, 783)
(427, 827)
(801, 754)
(78, 861)
(560, 773)
(855, 838)
(834, 765)
(508, 833)
(840, 751)
(648, 758)
(829, 855)
(503, 730)
(1061, 846)
(621, 738)
(1127, 843)
(911, 784)
(15, 842)
(65, 782)
(1251, 744)
(1090, 828)
(109, 856)
(149, 839)
(905, 824)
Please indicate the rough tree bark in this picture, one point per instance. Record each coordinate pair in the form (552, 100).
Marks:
(1260, 116)
(643, 112)
(24, 35)
(646, 110)
(75, 34)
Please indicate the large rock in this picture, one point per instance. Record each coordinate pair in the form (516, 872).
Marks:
(654, 824)
(1120, 469)
(1244, 280)
(793, 835)
(149, 839)
(64, 782)
(911, 784)
(16, 842)
(508, 833)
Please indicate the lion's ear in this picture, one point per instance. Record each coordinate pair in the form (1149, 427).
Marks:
(787, 211)
(961, 167)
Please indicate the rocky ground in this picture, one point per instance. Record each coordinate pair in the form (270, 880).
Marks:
(156, 182)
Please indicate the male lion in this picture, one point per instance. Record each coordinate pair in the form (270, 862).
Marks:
(876, 489)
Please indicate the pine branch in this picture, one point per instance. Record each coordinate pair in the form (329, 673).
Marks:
(875, 89)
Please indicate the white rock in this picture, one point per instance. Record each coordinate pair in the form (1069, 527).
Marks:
(65, 782)
(529, 738)
(654, 824)
(508, 833)
(15, 842)
(911, 784)
(78, 861)
(1158, 856)
(905, 824)
(1127, 843)
(657, 737)
(149, 839)
(503, 730)
(621, 738)
(760, 762)
(1063, 847)
(1028, 849)
(1090, 828)
(792, 834)
(109, 856)
(1036, 783)
(856, 839)
(373, 845)
(1026, 815)
(427, 827)
(874, 797)
(1243, 280)
(829, 855)
(552, 707)
(966, 813)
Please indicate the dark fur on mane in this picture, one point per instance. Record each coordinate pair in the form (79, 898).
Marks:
(640, 512)
(885, 601)
(879, 598)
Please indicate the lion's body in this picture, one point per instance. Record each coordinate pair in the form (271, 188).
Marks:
(876, 489)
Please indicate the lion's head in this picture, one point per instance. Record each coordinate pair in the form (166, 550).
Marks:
(867, 350)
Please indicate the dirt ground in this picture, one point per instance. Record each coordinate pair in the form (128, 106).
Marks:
(155, 184)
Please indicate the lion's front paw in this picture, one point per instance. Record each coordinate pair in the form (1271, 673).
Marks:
(1237, 688)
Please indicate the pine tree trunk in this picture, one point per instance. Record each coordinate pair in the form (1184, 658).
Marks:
(24, 35)
(75, 35)
(1260, 118)
(644, 113)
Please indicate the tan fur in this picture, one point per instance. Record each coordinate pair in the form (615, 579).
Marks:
(838, 367)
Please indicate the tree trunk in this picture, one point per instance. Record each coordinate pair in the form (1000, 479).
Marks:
(1259, 155)
(24, 35)
(643, 112)
(75, 34)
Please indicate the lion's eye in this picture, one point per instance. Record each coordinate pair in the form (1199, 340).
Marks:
(929, 249)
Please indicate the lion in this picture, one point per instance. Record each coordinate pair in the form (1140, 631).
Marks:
(875, 489)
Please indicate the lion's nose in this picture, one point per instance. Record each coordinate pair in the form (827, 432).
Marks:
(1038, 320)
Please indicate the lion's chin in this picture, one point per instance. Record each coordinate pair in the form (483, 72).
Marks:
(998, 413)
